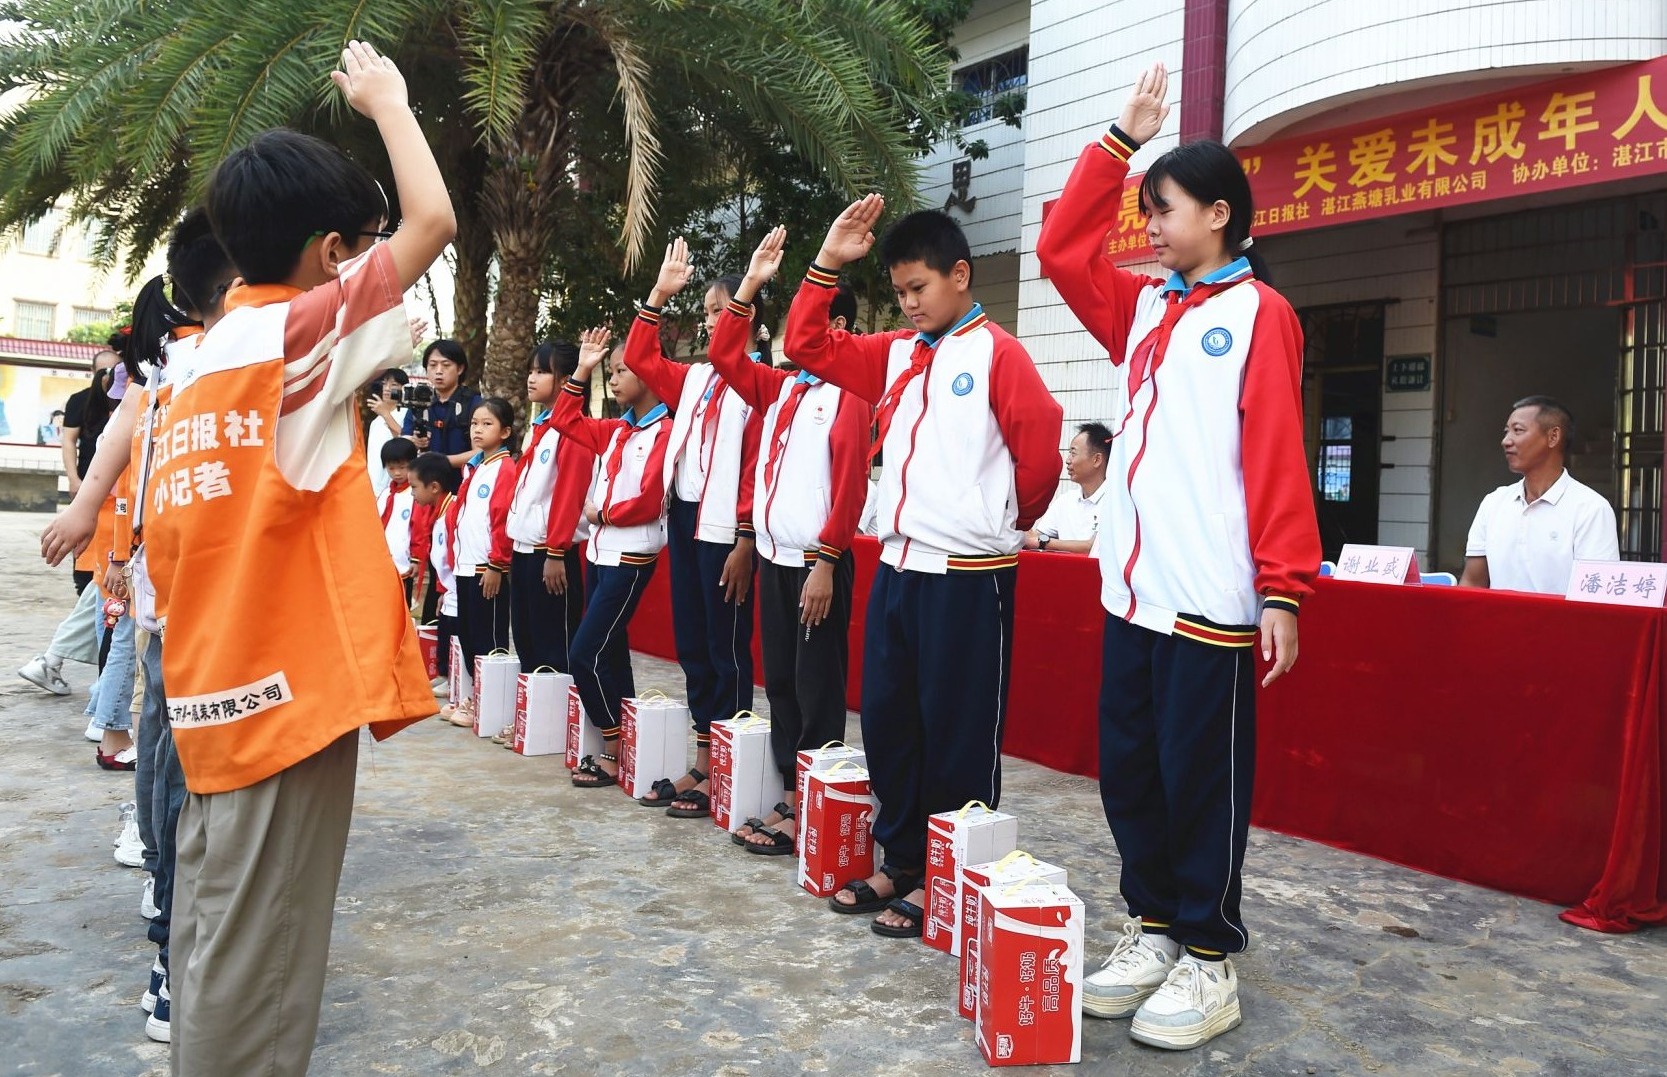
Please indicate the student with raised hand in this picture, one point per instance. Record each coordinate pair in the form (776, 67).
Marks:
(709, 528)
(1207, 534)
(546, 521)
(284, 643)
(971, 441)
(626, 508)
(811, 480)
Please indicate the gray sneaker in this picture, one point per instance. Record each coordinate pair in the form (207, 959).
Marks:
(44, 674)
(1139, 964)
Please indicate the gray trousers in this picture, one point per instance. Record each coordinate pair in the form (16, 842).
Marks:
(255, 893)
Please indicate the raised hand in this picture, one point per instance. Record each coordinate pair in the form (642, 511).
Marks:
(674, 273)
(593, 348)
(766, 260)
(851, 236)
(1146, 109)
(370, 81)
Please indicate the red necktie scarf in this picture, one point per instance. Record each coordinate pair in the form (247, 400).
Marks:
(784, 426)
(919, 360)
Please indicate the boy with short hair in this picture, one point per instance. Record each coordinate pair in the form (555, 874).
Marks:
(434, 484)
(394, 506)
(262, 446)
(971, 442)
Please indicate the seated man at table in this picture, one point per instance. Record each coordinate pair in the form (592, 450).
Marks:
(1528, 535)
(1071, 524)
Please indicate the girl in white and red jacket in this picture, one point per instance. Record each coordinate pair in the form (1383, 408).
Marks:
(546, 522)
(811, 481)
(626, 508)
(1207, 533)
(480, 541)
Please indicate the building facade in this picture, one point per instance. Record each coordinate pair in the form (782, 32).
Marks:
(1465, 201)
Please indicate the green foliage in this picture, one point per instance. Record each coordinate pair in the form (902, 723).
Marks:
(99, 332)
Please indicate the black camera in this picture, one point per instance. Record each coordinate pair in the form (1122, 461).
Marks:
(417, 398)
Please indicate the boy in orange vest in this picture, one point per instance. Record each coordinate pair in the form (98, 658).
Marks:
(293, 636)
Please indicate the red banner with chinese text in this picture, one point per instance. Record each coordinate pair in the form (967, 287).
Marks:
(1591, 128)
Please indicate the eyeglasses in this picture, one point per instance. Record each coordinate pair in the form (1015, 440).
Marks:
(380, 235)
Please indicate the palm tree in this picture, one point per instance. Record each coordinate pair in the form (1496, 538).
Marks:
(134, 102)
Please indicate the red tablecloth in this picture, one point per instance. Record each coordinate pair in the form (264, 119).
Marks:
(1503, 739)
(1508, 740)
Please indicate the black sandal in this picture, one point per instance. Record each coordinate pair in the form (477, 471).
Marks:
(699, 798)
(902, 907)
(867, 899)
(782, 836)
(599, 778)
(752, 821)
(664, 791)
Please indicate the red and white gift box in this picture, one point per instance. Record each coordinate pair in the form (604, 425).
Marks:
(541, 711)
(974, 834)
(815, 760)
(1014, 868)
(653, 743)
(495, 675)
(428, 642)
(744, 781)
(835, 845)
(1030, 976)
(462, 684)
(583, 738)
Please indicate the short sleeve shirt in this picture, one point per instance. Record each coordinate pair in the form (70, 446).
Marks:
(1533, 547)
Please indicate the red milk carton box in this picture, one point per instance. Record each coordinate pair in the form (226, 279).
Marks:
(428, 642)
(1014, 868)
(462, 685)
(744, 781)
(583, 738)
(973, 834)
(836, 847)
(541, 711)
(1030, 976)
(814, 760)
(653, 743)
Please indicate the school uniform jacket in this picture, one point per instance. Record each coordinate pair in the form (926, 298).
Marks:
(1211, 512)
(546, 512)
(481, 537)
(285, 628)
(972, 449)
(394, 508)
(628, 489)
(442, 520)
(714, 434)
(422, 531)
(812, 473)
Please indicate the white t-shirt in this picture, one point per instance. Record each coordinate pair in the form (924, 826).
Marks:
(1073, 517)
(1534, 547)
(377, 436)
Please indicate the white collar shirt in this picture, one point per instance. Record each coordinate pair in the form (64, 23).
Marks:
(1533, 546)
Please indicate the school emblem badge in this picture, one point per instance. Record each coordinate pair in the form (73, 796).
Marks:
(962, 385)
(483, 490)
(544, 455)
(1217, 341)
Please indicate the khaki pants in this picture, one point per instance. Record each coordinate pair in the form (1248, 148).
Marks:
(255, 895)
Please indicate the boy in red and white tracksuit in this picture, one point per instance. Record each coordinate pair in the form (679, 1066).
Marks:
(812, 479)
(971, 441)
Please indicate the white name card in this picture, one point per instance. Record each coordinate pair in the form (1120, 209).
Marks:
(1395, 565)
(1618, 583)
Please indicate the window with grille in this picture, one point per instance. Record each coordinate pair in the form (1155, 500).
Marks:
(88, 316)
(42, 234)
(34, 320)
(990, 80)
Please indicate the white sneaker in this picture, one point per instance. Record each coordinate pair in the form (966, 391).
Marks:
(42, 673)
(130, 847)
(94, 733)
(158, 1026)
(158, 977)
(147, 900)
(1138, 966)
(1198, 1002)
(127, 812)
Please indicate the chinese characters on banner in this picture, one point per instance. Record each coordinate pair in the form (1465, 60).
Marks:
(1589, 128)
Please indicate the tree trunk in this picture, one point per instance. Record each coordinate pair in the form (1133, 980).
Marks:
(514, 321)
(473, 249)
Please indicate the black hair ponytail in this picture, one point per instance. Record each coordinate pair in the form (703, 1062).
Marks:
(1210, 173)
(731, 283)
(154, 320)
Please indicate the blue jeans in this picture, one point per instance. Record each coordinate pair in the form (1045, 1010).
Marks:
(113, 692)
(151, 724)
(167, 795)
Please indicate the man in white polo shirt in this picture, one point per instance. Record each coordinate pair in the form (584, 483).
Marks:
(1528, 535)
(1072, 524)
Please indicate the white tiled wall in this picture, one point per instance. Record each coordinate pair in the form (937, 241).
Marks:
(1286, 57)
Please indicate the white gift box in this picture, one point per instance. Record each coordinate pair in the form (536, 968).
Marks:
(973, 834)
(495, 676)
(653, 743)
(541, 712)
(744, 780)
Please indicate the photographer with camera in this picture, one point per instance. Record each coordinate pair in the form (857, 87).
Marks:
(387, 405)
(440, 423)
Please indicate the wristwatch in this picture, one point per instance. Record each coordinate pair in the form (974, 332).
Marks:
(1042, 543)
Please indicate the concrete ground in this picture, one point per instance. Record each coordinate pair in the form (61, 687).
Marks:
(492, 917)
